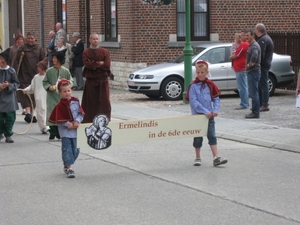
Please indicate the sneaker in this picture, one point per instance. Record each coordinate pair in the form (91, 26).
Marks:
(1, 137)
(28, 117)
(9, 140)
(51, 137)
(218, 161)
(197, 162)
(65, 170)
(70, 173)
(45, 130)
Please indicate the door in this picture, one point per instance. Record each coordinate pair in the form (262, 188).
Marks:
(15, 19)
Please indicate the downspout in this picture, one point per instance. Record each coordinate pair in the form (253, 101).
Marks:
(42, 23)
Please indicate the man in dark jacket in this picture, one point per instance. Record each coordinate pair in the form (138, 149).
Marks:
(77, 51)
(51, 47)
(267, 49)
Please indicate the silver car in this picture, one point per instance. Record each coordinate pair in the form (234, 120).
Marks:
(167, 79)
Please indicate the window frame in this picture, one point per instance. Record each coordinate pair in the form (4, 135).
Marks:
(192, 15)
(108, 21)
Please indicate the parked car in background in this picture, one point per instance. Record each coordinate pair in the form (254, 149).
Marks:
(167, 79)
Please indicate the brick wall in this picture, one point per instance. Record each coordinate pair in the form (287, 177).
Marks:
(229, 17)
(144, 30)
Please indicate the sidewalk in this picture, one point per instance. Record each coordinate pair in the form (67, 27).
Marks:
(253, 132)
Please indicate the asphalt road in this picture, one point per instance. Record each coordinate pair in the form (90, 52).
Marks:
(154, 182)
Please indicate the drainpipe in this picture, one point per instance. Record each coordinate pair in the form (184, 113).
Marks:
(42, 23)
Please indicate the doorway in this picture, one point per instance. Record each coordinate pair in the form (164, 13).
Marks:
(15, 19)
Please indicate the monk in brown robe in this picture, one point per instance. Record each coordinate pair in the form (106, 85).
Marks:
(19, 41)
(95, 98)
(33, 54)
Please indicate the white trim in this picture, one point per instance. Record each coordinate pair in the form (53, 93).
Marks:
(5, 25)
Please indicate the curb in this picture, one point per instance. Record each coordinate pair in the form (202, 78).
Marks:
(259, 142)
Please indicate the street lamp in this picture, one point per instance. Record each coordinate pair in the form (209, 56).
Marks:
(187, 51)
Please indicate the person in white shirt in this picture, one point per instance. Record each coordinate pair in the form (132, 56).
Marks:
(36, 87)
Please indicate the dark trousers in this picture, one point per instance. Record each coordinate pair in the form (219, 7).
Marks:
(7, 121)
(54, 131)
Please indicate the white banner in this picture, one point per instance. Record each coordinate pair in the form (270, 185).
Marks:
(101, 133)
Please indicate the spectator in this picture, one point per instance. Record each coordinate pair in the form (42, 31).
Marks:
(267, 50)
(77, 51)
(253, 73)
(60, 33)
(50, 47)
(239, 66)
(61, 45)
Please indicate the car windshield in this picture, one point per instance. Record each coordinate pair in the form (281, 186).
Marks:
(180, 58)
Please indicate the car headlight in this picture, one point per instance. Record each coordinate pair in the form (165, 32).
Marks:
(144, 76)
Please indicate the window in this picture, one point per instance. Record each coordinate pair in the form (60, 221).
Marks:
(199, 20)
(215, 56)
(61, 13)
(111, 20)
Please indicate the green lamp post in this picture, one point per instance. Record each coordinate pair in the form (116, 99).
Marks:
(187, 51)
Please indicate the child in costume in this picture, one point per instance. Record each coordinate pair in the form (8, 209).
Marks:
(53, 76)
(40, 95)
(203, 95)
(9, 84)
(67, 114)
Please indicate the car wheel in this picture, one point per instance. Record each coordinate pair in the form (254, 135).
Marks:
(172, 89)
(272, 85)
(153, 96)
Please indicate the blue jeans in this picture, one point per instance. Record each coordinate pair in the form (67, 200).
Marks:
(211, 135)
(253, 80)
(242, 85)
(264, 88)
(69, 150)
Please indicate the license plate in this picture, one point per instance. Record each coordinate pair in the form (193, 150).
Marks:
(130, 83)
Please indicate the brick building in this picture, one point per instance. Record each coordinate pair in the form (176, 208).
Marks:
(137, 34)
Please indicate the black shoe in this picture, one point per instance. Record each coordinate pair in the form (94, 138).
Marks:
(34, 120)
(218, 161)
(28, 117)
(251, 116)
(51, 137)
(264, 109)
